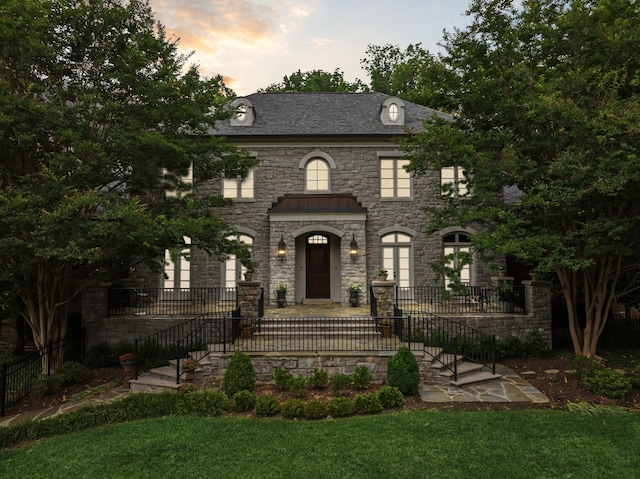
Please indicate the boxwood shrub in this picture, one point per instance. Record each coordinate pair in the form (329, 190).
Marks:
(367, 403)
(390, 397)
(341, 407)
(267, 405)
(239, 375)
(292, 408)
(403, 371)
(315, 409)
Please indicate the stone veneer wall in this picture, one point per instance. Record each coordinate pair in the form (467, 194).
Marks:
(304, 364)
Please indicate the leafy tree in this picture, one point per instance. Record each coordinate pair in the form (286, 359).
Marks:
(548, 106)
(315, 81)
(95, 102)
(413, 74)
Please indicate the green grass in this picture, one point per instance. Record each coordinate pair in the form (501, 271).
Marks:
(421, 444)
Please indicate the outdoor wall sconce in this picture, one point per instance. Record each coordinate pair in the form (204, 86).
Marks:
(353, 247)
(282, 248)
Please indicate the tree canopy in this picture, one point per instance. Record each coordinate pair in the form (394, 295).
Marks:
(548, 106)
(315, 81)
(95, 104)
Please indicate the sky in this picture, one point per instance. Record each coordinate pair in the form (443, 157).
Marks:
(255, 43)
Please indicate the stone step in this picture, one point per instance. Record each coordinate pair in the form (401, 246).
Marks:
(444, 360)
(432, 351)
(477, 377)
(464, 367)
(148, 382)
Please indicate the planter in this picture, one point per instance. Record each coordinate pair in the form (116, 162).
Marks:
(248, 276)
(281, 299)
(247, 331)
(385, 330)
(506, 306)
(127, 374)
(354, 298)
(382, 277)
(188, 376)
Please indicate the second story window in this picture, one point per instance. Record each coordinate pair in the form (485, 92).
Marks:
(316, 176)
(238, 188)
(454, 181)
(395, 181)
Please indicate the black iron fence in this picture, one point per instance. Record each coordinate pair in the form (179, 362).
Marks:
(163, 301)
(473, 299)
(17, 377)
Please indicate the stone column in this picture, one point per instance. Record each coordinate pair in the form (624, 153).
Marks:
(385, 292)
(537, 296)
(248, 298)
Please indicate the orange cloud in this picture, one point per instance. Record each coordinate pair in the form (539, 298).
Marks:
(205, 25)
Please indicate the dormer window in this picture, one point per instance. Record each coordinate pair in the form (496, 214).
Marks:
(243, 114)
(392, 111)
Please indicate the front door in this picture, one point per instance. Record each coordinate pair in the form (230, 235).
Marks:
(318, 271)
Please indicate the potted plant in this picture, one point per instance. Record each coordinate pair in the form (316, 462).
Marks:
(250, 268)
(246, 327)
(382, 274)
(189, 367)
(385, 327)
(281, 299)
(354, 293)
(126, 361)
(506, 297)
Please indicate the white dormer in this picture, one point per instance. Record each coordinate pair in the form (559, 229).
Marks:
(392, 111)
(243, 112)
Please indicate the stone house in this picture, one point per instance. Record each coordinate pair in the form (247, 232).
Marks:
(329, 202)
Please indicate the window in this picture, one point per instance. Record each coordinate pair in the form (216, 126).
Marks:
(177, 269)
(317, 239)
(395, 181)
(316, 175)
(392, 111)
(177, 186)
(454, 181)
(238, 188)
(233, 270)
(397, 257)
(453, 245)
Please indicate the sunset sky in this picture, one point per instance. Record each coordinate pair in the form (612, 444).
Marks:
(254, 43)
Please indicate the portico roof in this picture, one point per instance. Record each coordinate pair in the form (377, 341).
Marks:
(334, 204)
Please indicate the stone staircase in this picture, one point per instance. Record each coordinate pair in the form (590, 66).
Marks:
(163, 378)
(468, 372)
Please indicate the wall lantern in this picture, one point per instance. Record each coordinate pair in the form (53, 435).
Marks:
(353, 247)
(282, 248)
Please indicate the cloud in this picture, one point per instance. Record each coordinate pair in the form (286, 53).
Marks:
(207, 25)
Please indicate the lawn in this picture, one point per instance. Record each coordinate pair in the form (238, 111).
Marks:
(421, 444)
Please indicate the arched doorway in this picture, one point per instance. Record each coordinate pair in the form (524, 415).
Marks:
(318, 260)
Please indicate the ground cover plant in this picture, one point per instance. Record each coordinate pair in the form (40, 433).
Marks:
(440, 444)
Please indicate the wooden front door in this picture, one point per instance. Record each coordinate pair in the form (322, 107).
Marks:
(318, 272)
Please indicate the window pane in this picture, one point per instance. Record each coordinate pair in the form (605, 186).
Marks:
(230, 188)
(246, 187)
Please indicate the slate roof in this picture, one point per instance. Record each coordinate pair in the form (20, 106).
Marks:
(317, 204)
(309, 114)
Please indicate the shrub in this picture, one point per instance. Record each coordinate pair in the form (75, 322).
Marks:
(437, 339)
(318, 378)
(101, 355)
(584, 366)
(361, 377)
(292, 408)
(298, 385)
(244, 400)
(239, 375)
(634, 376)
(340, 383)
(607, 382)
(390, 397)
(535, 345)
(281, 377)
(367, 403)
(66, 375)
(267, 405)
(341, 407)
(403, 372)
(315, 409)
(510, 347)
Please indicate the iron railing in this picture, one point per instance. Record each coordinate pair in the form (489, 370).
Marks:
(17, 377)
(164, 301)
(474, 299)
(451, 337)
(373, 302)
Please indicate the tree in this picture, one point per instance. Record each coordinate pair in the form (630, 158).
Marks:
(95, 103)
(413, 74)
(315, 81)
(548, 105)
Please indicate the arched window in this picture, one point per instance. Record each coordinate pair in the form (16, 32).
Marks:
(233, 270)
(453, 245)
(316, 173)
(397, 257)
